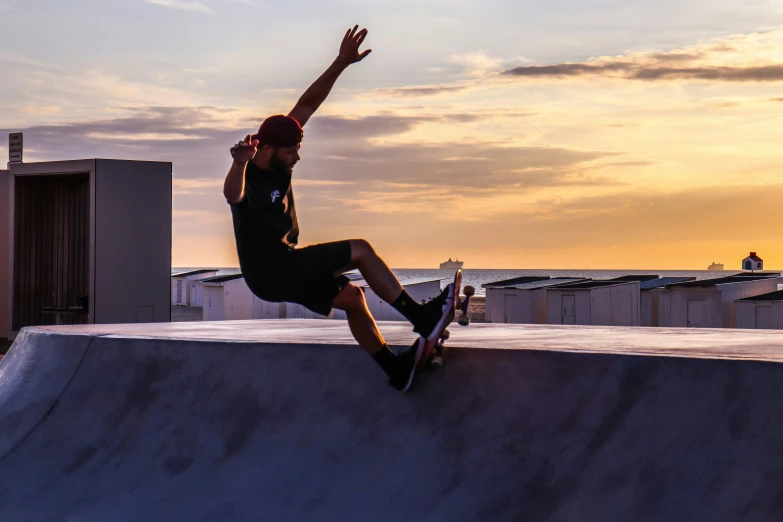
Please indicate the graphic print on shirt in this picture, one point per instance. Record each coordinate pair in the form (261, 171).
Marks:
(275, 195)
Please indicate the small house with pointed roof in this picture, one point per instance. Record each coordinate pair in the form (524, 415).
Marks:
(761, 312)
(753, 262)
(521, 300)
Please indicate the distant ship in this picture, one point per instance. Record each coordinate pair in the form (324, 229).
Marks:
(715, 266)
(453, 265)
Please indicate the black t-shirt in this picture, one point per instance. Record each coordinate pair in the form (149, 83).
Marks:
(265, 225)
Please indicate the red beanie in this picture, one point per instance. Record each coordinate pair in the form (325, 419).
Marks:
(279, 131)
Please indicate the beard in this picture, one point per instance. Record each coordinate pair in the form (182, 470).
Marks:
(279, 165)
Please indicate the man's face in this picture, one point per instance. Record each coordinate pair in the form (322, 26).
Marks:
(284, 158)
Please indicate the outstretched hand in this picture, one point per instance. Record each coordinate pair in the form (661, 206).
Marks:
(245, 150)
(349, 49)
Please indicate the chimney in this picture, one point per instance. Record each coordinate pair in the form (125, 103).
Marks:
(752, 254)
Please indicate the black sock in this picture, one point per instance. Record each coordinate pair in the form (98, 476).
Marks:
(407, 306)
(386, 360)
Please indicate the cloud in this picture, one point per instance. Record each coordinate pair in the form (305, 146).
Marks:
(182, 5)
(419, 90)
(742, 58)
(477, 63)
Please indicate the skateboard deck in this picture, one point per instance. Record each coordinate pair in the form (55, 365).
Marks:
(439, 353)
(435, 343)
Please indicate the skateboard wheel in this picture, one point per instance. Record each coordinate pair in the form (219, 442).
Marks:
(437, 361)
(464, 320)
(445, 335)
(469, 291)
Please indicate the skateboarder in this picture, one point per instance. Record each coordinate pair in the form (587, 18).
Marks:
(258, 189)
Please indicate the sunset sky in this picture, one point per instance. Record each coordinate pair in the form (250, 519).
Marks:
(512, 134)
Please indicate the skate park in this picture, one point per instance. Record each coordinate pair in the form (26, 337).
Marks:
(111, 410)
(285, 420)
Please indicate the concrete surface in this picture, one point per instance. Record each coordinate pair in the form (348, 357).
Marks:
(286, 420)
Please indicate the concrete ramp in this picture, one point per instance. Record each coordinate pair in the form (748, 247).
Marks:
(288, 421)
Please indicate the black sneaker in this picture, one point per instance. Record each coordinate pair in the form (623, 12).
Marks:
(435, 312)
(402, 379)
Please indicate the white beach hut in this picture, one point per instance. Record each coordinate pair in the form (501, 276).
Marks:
(761, 312)
(650, 295)
(226, 298)
(521, 300)
(605, 303)
(753, 262)
(181, 284)
(711, 303)
(421, 289)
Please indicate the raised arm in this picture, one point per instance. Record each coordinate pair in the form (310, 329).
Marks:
(315, 95)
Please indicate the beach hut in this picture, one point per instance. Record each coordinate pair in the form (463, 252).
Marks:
(606, 303)
(711, 303)
(420, 289)
(753, 262)
(182, 293)
(226, 298)
(761, 312)
(85, 242)
(521, 300)
(649, 298)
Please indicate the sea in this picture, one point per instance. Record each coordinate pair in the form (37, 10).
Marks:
(477, 277)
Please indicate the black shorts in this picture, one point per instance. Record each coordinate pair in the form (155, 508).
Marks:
(305, 276)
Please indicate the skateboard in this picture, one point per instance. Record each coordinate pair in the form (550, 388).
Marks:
(436, 361)
(435, 347)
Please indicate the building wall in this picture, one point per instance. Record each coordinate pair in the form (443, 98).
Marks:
(664, 309)
(538, 303)
(493, 312)
(746, 315)
(5, 253)
(582, 302)
(268, 310)
(195, 291)
(730, 293)
(237, 300)
(508, 305)
(625, 304)
(132, 241)
(583, 307)
(650, 306)
(174, 290)
(212, 309)
(679, 306)
(601, 310)
(646, 298)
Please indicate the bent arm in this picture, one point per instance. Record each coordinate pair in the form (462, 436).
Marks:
(234, 186)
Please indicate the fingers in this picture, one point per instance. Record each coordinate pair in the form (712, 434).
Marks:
(365, 53)
(353, 31)
(361, 36)
(254, 143)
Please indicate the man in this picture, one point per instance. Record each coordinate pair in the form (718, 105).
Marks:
(258, 188)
